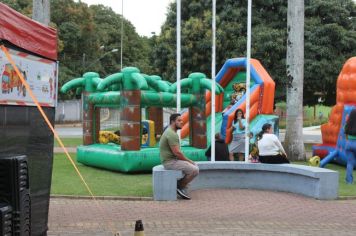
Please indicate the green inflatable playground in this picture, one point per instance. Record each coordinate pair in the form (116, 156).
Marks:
(131, 144)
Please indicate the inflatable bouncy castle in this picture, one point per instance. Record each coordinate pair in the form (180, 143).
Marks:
(131, 145)
(130, 92)
(333, 137)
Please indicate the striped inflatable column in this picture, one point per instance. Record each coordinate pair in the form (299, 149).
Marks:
(130, 125)
(197, 121)
(156, 114)
(97, 124)
(197, 115)
(88, 120)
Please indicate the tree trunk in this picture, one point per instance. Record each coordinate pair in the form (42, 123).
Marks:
(41, 11)
(295, 75)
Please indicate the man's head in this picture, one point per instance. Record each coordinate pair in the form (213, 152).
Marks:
(176, 121)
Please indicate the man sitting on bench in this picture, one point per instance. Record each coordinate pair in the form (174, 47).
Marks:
(173, 158)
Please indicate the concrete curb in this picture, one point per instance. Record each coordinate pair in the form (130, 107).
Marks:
(346, 198)
(68, 125)
(120, 198)
(127, 198)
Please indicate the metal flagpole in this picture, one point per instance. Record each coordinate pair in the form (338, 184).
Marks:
(122, 29)
(213, 55)
(248, 75)
(178, 54)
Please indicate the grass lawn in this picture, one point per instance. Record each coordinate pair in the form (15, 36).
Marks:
(306, 122)
(69, 142)
(65, 180)
(344, 189)
(309, 118)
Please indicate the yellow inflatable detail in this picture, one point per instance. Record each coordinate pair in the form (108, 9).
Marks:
(314, 161)
(108, 137)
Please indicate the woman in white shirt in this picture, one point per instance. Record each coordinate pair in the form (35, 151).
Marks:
(270, 148)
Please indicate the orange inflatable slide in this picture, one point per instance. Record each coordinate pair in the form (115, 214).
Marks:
(261, 94)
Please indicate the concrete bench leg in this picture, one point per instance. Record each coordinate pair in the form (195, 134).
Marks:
(165, 184)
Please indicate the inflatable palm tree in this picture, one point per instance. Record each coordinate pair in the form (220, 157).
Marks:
(197, 84)
(156, 83)
(86, 85)
(130, 82)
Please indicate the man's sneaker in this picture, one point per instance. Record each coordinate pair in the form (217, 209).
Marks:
(183, 194)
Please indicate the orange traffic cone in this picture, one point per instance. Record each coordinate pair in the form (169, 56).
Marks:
(139, 228)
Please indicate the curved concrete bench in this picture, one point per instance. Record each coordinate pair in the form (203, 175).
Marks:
(309, 181)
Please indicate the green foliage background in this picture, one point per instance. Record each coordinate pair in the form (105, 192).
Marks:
(330, 39)
(82, 30)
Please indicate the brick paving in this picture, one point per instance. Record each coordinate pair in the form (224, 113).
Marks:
(210, 212)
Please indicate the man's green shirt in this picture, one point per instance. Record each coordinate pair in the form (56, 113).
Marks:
(169, 138)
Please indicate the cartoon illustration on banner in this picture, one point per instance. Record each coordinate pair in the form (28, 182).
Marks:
(40, 74)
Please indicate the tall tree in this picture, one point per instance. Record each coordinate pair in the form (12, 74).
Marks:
(23, 6)
(330, 39)
(295, 75)
(41, 11)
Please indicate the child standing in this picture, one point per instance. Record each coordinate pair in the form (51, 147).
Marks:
(253, 157)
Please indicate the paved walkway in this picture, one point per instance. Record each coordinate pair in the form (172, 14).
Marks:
(211, 212)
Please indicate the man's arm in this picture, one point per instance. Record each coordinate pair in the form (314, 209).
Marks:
(179, 154)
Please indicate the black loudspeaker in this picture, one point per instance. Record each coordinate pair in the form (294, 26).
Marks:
(5, 219)
(14, 190)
